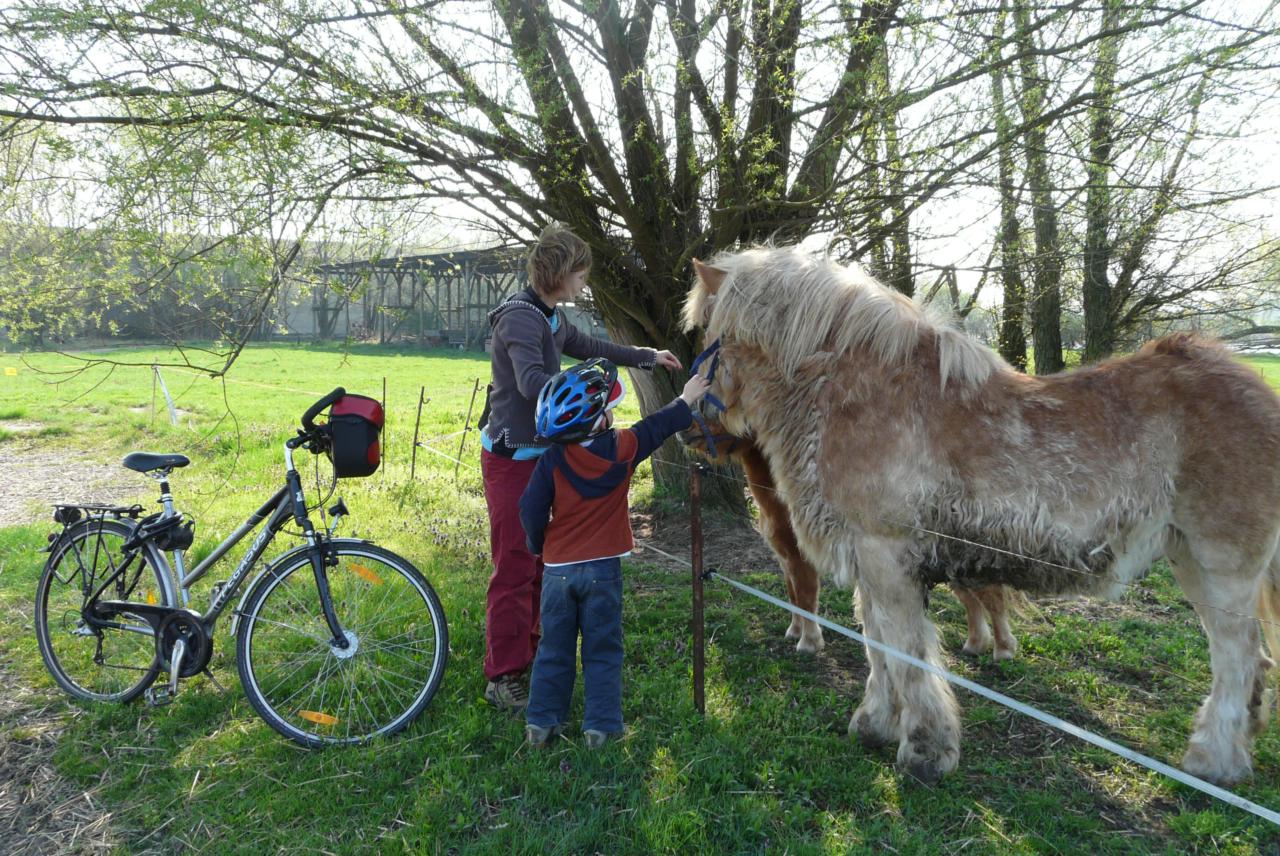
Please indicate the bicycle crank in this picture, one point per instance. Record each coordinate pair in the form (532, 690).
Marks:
(184, 645)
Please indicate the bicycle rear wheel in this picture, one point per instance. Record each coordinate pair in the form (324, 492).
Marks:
(98, 663)
(318, 694)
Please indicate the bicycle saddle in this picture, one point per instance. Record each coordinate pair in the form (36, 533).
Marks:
(145, 462)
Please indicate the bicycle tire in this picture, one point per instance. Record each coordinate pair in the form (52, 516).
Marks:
(318, 695)
(103, 664)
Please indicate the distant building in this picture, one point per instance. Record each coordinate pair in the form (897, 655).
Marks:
(436, 299)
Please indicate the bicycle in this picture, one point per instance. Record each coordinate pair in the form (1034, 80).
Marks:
(337, 640)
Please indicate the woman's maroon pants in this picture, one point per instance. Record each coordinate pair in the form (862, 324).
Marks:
(511, 627)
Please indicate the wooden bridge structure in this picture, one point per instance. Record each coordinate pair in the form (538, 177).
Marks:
(431, 299)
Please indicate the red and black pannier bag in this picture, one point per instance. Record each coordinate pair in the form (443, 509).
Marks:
(355, 423)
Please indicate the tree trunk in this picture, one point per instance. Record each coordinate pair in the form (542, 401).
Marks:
(901, 276)
(655, 389)
(1046, 307)
(1099, 319)
(1013, 334)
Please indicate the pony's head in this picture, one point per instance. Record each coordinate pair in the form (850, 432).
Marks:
(726, 445)
(793, 305)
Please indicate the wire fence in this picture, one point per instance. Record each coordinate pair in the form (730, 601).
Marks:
(443, 537)
(1089, 576)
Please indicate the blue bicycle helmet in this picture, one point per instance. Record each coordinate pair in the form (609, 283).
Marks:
(571, 403)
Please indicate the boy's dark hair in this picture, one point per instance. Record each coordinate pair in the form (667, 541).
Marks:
(557, 253)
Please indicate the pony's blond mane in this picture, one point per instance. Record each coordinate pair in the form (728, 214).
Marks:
(796, 305)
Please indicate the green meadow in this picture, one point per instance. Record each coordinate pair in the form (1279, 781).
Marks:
(769, 769)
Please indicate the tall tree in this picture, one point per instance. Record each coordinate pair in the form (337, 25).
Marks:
(658, 130)
(1046, 298)
(1099, 320)
(1012, 336)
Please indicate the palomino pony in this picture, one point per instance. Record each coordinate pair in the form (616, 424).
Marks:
(802, 578)
(906, 452)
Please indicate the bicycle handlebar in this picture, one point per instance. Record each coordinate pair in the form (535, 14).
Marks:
(314, 410)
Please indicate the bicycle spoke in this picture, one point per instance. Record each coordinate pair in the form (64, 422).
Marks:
(298, 630)
(309, 658)
(375, 687)
(115, 661)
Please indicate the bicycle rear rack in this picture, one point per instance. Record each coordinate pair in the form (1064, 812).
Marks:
(67, 513)
(70, 513)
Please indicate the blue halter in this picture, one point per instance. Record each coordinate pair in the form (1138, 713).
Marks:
(711, 352)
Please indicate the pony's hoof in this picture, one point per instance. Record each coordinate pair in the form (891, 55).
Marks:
(924, 772)
(972, 649)
(1004, 653)
(864, 730)
(1222, 772)
(809, 645)
(926, 761)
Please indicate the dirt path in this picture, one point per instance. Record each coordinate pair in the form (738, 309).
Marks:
(35, 475)
(40, 811)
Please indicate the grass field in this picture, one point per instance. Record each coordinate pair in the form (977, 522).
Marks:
(768, 770)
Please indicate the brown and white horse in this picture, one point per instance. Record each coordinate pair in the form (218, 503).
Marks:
(905, 451)
(801, 577)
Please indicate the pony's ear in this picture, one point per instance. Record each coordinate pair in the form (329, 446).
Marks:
(711, 277)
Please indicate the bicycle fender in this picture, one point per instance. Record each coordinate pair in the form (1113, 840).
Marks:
(282, 559)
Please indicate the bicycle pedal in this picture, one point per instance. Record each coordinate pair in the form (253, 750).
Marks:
(159, 696)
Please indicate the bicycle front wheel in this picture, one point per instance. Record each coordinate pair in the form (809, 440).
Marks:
(97, 663)
(316, 693)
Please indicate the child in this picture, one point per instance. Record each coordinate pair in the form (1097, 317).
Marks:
(580, 486)
(529, 335)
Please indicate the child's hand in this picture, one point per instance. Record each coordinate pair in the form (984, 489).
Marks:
(695, 389)
(668, 360)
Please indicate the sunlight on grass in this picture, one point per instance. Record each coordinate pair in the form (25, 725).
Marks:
(769, 769)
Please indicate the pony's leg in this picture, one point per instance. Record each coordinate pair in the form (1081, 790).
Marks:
(875, 721)
(993, 600)
(1237, 705)
(775, 524)
(979, 634)
(802, 584)
(928, 721)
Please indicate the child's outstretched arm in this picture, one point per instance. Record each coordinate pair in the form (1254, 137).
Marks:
(535, 504)
(652, 431)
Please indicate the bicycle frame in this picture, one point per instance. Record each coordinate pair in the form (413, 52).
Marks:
(286, 502)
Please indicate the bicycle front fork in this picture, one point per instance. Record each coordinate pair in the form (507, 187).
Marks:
(318, 556)
(317, 553)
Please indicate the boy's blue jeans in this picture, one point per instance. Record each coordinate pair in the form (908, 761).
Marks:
(586, 599)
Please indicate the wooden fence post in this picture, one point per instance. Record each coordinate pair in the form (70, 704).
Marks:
(695, 533)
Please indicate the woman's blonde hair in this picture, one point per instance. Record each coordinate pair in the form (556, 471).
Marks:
(557, 253)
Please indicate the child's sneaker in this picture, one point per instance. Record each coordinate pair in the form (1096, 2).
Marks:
(540, 737)
(508, 693)
(596, 739)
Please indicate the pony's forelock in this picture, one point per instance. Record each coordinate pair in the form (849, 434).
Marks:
(795, 305)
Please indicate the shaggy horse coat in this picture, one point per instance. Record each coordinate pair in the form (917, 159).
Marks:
(802, 578)
(908, 454)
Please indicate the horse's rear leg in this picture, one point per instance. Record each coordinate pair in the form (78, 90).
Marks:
(775, 524)
(928, 722)
(1236, 707)
(802, 588)
(994, 600)
(979, 633)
